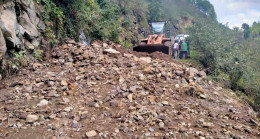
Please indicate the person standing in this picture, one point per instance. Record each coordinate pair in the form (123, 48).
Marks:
(184, 49)
(180, 43)
(175, 49)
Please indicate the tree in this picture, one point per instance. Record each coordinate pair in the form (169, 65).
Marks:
(205, 7)
(246, 31)
(255, 31)
(155, 10)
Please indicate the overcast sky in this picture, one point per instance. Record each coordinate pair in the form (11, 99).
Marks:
(237, 12)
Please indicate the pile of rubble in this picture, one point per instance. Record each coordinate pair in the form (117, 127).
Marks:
(99, 91)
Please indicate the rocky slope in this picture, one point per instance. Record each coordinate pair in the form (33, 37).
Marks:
(20, 26)
(104, 91)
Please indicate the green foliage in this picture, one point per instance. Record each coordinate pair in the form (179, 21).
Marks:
(98, 19)
(219, 49)
(19, 55)
(255, 31)
(53, 19)
(205, 7)
(155, 10)
(228, 56)
(19, 60)
(37, 53)
(246, 30)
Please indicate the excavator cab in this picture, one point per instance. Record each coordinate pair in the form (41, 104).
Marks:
(158, 27)
(157, 41)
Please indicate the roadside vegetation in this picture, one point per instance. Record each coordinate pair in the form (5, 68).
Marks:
(231, 56)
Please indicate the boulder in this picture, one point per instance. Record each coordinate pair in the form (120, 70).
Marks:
(30, 29)
(8, 24)
(28, 45)
(202, 74)
(145, 60)
(2, 44)
(25, 3)
(193, 72)
(111, 52)
(42, 103)
(179, 72)
(91, 133)
(31, 118)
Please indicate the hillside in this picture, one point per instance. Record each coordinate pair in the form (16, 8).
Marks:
(97, 91)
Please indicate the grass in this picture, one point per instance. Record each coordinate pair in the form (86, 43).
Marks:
(194, 59)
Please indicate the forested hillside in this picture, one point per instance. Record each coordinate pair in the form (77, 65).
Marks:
(122, 21)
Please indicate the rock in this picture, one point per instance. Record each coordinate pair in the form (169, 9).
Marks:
(112, 52)
(114, 103)
(22, 115)
(165, 103)
(132, 89)
(68, 109)
(28, 45)
(147, 134)
(74, 124)
(91, 133)
(151, 98)
(52, 116)
(73, 86)
(43, 103)
(31, 118)
(64, 83)
(202, 96)
(177, 86)
(179, 73)
(70, 41)
(105, 45)
(8, 25)
(141, 77)
(147, 70)
(96, 105)
(193, 72)
(183, 130)
(53, 93)
(202, 74)
(145, 60)
(2, 45)
(121, 80)
(37, 66)
(130, 97)
(127, 55)
(151, 129)
(207, 125)
(31, 31)
(161, 124)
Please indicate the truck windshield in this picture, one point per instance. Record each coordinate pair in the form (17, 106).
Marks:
(158, 27)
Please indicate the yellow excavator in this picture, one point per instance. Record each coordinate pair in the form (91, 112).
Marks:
(157, 41)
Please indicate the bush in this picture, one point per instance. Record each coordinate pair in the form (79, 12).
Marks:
(219, 49)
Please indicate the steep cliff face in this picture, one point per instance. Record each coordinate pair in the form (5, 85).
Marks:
(20, 25)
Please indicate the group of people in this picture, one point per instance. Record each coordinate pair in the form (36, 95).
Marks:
(181, 49)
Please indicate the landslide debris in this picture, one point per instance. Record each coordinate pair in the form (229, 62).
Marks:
(103, 91)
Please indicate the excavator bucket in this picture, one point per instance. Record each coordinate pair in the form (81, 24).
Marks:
(150, 48)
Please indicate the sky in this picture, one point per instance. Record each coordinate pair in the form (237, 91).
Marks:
(237, 12)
